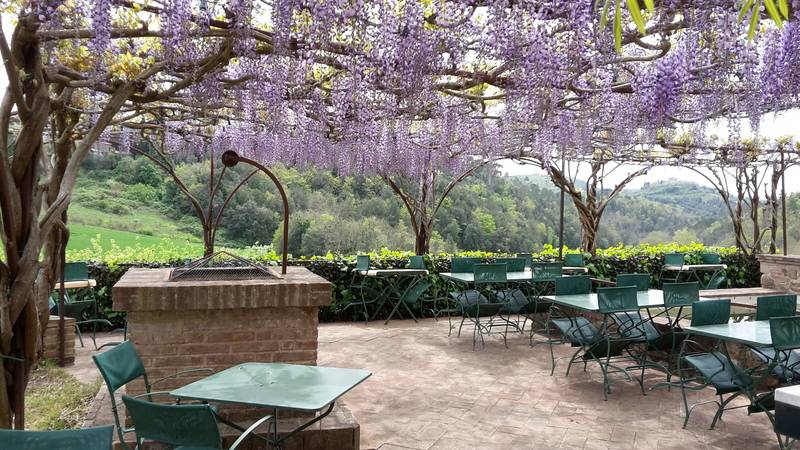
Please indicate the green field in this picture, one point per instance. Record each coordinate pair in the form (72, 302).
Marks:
(81, 237)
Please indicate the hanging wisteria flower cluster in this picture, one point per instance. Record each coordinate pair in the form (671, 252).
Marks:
(403, 86)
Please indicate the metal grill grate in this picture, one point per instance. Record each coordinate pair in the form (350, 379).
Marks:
(222, 266)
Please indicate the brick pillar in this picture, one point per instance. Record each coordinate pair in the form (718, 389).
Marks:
(218, 324)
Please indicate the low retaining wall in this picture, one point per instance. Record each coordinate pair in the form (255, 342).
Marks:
(780, 272)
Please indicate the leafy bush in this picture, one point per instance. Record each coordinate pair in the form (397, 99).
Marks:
(107, 265)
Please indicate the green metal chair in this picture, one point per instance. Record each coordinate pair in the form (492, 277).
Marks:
(99, 438)
(604, 345)
(514, 264)
(463, 265)
(710, 367)
(570, 285)
(640, 280)
(787, 365)
(84, 312)
(417, 262)
(672, 269)
(190, 427)
(574, 260)
(528, 257)
(717, 277)
(770, 306)
(367, 292)
(477, 307)
(543, 276)
(121, 365)
(410, 298)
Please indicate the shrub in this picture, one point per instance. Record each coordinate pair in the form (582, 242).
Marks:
(107, 265)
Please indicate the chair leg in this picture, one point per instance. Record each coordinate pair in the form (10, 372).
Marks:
(80, 337)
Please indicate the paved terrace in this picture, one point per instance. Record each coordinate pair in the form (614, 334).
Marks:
(431, 391)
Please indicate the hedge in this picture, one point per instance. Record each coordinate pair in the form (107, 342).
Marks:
(108, 266)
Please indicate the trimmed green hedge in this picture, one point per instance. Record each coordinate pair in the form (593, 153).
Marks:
(743, 271)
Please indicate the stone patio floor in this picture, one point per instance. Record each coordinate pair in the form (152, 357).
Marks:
(431, 391)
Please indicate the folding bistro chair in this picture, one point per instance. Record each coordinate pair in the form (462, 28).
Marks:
(99, 438)
(786, 365)
(477, 309)
(700, 368)
(191, 427)
(574, 262)
(84, 312)
(363, 285)
(572, 285)
(672, 269)
(605, 345)
(640, 280)
(717, 277)
(121, 365)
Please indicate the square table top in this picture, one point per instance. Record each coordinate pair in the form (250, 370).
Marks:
(468, 277)
(652, 298)
(393, 272)
(275, 385)
(690, 267)
(753, 333)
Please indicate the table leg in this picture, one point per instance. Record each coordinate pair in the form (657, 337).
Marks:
(277, 441)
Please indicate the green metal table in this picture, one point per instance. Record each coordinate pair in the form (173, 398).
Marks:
(652, 298)
(277, 386)
(469, 278)
(694, 270)
(751, 334)
(394, 287)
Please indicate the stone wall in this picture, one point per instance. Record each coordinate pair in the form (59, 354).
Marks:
(780, 272)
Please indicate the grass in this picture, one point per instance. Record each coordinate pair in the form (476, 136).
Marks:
(55, 399)
(81, 237)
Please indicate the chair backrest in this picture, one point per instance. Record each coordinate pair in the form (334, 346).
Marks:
(573, 285)
(191, 425)
(574, 260)
(617, 299)
(771, 306)
(416, 262)
(463, 265)
(119, 365)
(76, 271)
(99, 438)
(527, 257)
(411, 296)
(785, 332)
(711, 312)
(77, 309)
(640, 280)
(674, 259)
(514, 264)
(362, 262)
(546, 270)
(710, 258)
(490, 273)
(681, 294)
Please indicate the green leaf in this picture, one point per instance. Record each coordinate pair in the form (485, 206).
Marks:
(636, 15)
(783, 5)
(618, 27)
(751, 33)
(773, 12)
(746, 7)
(604, 15)
(650, 5)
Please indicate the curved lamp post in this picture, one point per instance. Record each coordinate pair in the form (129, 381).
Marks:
(230, 158)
